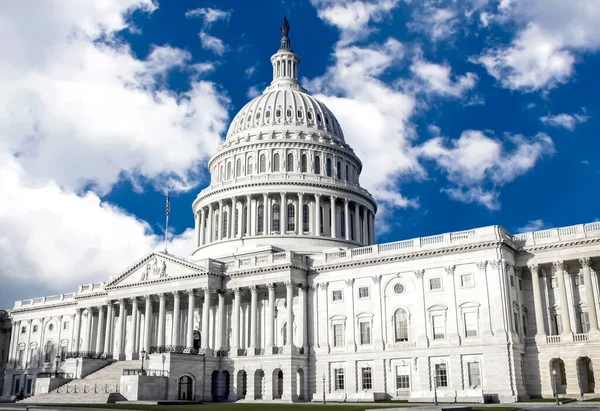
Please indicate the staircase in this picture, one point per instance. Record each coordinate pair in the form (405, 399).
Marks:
(99, 387)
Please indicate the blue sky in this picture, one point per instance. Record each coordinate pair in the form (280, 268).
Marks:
(465, 114)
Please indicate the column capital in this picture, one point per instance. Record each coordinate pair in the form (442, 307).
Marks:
(376, 278)
(323, 285)
(301, 286)
(289, 284)
(176, 295)
(518, 270)
(133, 300)
(313, 286)
(248, 196)
(147, 297)
(534, 268)
(236, 291)
(161, 296)
(482, 264)
(99, 307)
(495, 263)
(450, 269)
(121, 301)
(206, 290)
(190, 291)
(559, 265)
(78, 310)
(333, 198)
(419, 273)
(586, 262)
(271, 286)
(350, 282)
(346, 201)
(317, 196)
(253, 289)
(108, 302)
(221, 292)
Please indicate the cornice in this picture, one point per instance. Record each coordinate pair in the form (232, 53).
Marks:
(557, 245)
(400, 257)
(90, 295)
(43, 307)
(159, 280)
(267, 269)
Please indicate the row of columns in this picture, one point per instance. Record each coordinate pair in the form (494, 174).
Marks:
(210, 222)
(560, 271)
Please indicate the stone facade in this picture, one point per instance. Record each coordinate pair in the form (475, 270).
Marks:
(288, 296)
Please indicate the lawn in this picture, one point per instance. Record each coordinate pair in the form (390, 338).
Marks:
(263, 407)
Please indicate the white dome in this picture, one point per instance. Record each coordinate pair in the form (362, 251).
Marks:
(287, 108)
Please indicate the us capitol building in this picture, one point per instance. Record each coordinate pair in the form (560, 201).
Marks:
(288, 296)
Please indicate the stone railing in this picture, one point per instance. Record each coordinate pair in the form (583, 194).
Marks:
(64, 375)
(91, 288)
(176, 349)
(52, 299)
(84, 354)
(242, 352)
(148, 372)
(553, 339)
(580, 337)
(558, 234)
(87, 389)
(266, 259)
(277, 350)
(491, 233)
(222, 353)
(529, 340)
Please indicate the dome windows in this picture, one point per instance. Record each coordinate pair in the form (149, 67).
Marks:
(327, 120)
(278, 113)
(309, 115)
(318, 118)
(299, 113)
(268, 114)
(257, 116)
(288, 113)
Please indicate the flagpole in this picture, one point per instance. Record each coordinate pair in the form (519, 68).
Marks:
(168, 209)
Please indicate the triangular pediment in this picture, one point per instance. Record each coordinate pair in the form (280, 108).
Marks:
(153, 267)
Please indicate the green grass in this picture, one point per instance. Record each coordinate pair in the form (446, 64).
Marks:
(261, 407)
(552, 399)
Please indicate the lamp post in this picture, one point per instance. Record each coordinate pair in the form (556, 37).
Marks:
(143, 353)
(324, 402)
(555, 385)
(57, 359)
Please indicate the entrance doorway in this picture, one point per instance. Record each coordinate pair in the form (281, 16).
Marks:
(585, 375)
(184, 391)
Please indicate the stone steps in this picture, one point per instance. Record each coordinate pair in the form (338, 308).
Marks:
(74, 398)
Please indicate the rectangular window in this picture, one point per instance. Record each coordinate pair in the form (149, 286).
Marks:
(363, 292)
(23, 330)
(435, 284)
(557, 324)
(578, 280)
(337, 295)
(474, 375)
(584, 322)
(441, 375)
(512, 280)
(520, 284)
(402, 377)
(338, 378)
(35, 328)
(553, 282)
(439, 327)
(470, 324)
(20, 356)
(516, 320)
(367, 382)
(466, 280)
(338, 335)
(524, 325)
(65, 326)
(365, 332)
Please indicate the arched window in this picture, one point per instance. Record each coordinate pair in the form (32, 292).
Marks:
(245, 221)
(262, 164)
(291, 215)
(225, 221)
(400, 325)
(48, 351)
(284, 334)
(221, 173)
(250, 166)
(347, 177)
(339, 170)
(328, 167)
(317, 165)
(276, 162)
(290, 163)
(305, 218)
(261, 216)
(238, 167)
(352, 226)
(276, 217)
(342, 223)
(228, 171)
(237, 220)
(321, 220)
(216, 226)
(303, 163)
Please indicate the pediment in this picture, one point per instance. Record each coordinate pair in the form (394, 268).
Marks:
(154, 267)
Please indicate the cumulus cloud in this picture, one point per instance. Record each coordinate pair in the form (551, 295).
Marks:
(212, 43)
(208, 15)
(437, 79)
(533, 225)
(79, 112)
(352, 17)
(476, 165)
(437, 22)
(568, 121)
(544, 50)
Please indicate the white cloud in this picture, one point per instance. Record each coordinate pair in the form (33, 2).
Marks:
(568, 121)
(352, 17)
(544, 50)
(437, 79)
(250, 70)
(533, 225)
(208, 15)
(477, 165)
(438, 23)
(212, 43)
(253, 91)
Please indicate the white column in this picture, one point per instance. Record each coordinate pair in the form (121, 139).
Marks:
(77, 330)
(302, 317)
(253, 318)
(205, 308)
(176, 315)
(220, 225)
(235, 331)
(333, 218)
(300, 226)
(122, 326)
(88, 329)
(240, 220)
(265, 214)
(15, 330)
(100, 329)
(372, 227)
(378, 335)
(268, 212)
(230, 230)
(559, 268)
(351, 330)
(537, 299)
(211, 230)
(270, 319)
(202, 227)
(133, 328)
(283, 216)
(220, 320)
(586, 264)
(347, 219)
(161, 321)
(289, 288)
(190, 322)
(317, 214)
(364, 226)
(109, 329)
(356, 222)
(248, 215)
(197, 229)
(147, 323)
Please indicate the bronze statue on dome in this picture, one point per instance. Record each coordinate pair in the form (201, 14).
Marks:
(285, 28)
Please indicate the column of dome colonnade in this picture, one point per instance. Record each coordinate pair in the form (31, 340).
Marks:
(561, 275)
(283, 170)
